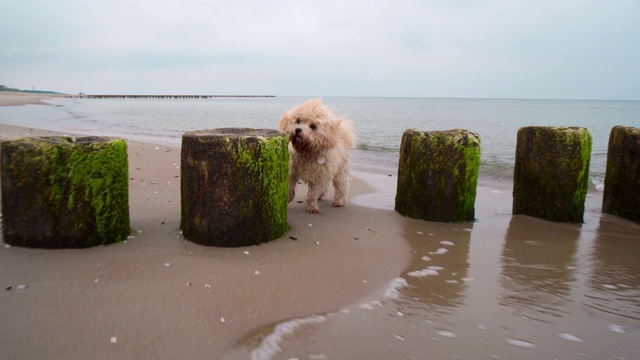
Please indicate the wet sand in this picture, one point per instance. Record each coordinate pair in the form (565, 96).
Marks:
(503, 287)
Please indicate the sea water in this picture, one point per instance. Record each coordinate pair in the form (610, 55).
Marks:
(379, 122)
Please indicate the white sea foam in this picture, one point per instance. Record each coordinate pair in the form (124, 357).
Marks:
(446, 243)
(569, 337)
(270, 345)
(392, 291)
(318, 357)
(439, 251)
(521, 343)
(370, 305)
(423, 273)
(437, 268)
(446, 333)
(399, 337)
(426, 258)
(616, 328)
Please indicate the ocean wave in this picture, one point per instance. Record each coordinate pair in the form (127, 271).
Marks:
(270, 346)
(380, 148)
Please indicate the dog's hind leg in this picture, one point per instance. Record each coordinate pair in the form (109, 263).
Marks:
(324, 192)
(341, 185)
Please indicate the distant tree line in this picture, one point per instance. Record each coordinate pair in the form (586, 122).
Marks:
(6, 88)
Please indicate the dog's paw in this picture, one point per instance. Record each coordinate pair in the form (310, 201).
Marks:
(312, 209)
(338, 203)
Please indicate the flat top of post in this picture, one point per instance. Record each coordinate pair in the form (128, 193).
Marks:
(562, 128)
(65, 140)
(234, 132)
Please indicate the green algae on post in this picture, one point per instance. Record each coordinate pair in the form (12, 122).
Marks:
(58, 192)
(234, 186)
(622, 179)
(551, 174)
(438, 175)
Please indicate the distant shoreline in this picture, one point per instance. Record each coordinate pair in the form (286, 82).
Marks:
(19, 98)
(166, 96)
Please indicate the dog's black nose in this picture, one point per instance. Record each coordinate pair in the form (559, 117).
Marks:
(298, 131)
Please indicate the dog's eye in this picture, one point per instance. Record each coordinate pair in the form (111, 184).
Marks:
(312, 126)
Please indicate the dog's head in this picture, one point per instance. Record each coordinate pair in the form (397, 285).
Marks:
(311, 128)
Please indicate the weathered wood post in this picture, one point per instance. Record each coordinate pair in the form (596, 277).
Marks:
(438, 175)
(234, 186)
(551, 175)
(58, 192)
(622, 179)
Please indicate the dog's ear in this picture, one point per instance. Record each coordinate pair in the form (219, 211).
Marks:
(335, 127)
(284, 120)
(333, 130)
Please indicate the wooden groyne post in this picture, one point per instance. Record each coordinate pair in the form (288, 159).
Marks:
(60, 192)
(438, 175)
(622, 179)
(234, 186)
(551, 174)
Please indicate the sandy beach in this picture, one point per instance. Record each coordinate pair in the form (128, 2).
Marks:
(11, 98)
(359, 282)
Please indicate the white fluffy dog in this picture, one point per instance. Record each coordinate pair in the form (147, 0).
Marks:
(319, 147)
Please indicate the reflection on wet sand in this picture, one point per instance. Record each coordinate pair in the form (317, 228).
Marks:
(615, 280)
(438, 273)
(538, 261)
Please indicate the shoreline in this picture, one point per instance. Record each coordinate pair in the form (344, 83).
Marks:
(380, 162)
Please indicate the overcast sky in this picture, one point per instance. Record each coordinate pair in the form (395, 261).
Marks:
(549, 49)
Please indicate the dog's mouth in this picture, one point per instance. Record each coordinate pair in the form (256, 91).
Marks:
(298, 143)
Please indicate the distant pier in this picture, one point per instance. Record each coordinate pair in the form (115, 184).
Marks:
(164, 97)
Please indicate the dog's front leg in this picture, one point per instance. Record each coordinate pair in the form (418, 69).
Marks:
(312, 199)
(293, 181)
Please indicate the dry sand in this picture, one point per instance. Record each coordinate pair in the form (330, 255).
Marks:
(11, 98)
(164, 297)
(360, 282)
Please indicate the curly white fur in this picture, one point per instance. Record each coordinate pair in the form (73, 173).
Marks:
(320, 146)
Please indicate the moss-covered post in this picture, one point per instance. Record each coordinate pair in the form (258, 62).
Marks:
(551, 174)
(58, 192)
(438, 175)
(234, 187)
(622, 179)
